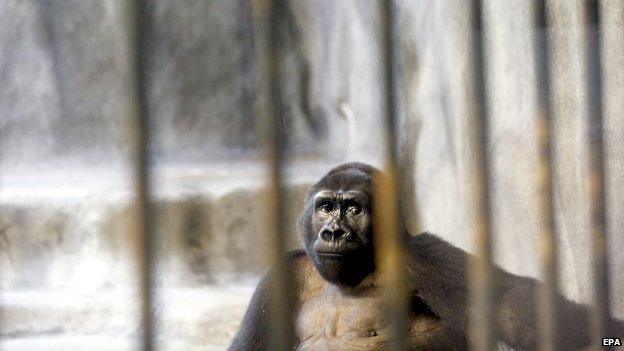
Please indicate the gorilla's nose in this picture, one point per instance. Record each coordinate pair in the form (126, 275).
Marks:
(333, 233)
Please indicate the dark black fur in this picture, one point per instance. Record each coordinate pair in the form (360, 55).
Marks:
(438, 278)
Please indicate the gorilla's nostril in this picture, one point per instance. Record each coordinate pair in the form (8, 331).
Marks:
(329, 235)
(326, 235)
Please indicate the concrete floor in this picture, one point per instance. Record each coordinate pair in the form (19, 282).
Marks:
(187, 319)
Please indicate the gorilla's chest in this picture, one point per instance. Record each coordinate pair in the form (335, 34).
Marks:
(332, 321)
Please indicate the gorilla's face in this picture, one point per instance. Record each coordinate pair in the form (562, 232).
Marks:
(338, 235)
(341, 221)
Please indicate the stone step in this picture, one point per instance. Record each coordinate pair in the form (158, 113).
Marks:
(72, 228)
(108, 320)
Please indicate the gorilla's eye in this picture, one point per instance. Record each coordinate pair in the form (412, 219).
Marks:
(355, 209)
(325, 207)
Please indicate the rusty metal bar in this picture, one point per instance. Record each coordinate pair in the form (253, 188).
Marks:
(270, 14)
(390, 251)
(597, 194)
(546, 303)
(139, 25)
(482, 333)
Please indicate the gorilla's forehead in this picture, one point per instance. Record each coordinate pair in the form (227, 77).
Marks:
(341, 195)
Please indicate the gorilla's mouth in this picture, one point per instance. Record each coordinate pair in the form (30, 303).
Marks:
(325, 254)
(331, 254)
(346, 267)
(334, 255)
(331, 263)
(337, 249)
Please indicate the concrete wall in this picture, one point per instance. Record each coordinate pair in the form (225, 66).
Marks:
(437, 102)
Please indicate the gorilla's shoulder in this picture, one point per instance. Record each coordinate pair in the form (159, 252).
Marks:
(432, 249)
(299, 262)
(307, 280)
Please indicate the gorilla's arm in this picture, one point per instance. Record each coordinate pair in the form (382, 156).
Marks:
(438, 273)
(517, 317)
(253, 332)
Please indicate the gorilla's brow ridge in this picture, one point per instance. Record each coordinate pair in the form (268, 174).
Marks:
(342, 195)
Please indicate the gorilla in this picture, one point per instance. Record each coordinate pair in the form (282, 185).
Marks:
(338, 304)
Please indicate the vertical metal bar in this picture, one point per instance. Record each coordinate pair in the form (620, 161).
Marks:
(483, 298)
(139, 25)
(246, 66)
(597, 194)
(271, 13)
(390, 251)
(547, 296)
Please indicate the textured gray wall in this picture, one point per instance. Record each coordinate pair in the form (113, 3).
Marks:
(438, 101)
(63, 73)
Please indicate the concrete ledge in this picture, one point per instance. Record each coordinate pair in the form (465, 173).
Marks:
(73, 229)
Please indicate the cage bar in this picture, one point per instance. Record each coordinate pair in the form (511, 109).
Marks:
(246, 32)
(597, 195)
(546, 303)
(390, 251)
(270, 14)
(482, 331)
(139, 26)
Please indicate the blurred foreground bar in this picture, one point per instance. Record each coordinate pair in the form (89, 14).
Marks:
(597, 195)
(269, 15)
(390, 251)
(138, 32)
(547, 296)
(482, 295)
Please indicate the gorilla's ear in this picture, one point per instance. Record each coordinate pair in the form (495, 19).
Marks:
(305, 219)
